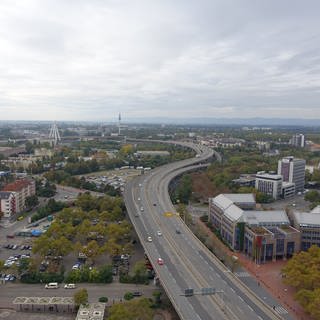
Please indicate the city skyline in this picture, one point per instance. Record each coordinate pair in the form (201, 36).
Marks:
(81, 60)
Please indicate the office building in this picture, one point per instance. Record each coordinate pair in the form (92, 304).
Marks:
(270, 184)
(268, 236)
(308, 223)
(288, 189)
(262, 235)
(293, 170)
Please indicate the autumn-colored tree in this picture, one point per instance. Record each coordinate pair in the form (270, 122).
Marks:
(303, 273)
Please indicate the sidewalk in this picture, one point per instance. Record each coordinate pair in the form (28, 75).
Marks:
(269, 276)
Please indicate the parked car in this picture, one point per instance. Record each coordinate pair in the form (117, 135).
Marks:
(160, 261)
(52, 285)
(137, 293)
(76, 266)
(69, 286)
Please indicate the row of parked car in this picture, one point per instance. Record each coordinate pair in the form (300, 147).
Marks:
(7, 277)
(15, 259)
(15, 247)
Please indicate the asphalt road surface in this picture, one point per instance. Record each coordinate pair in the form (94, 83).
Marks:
(114, 291)
(187, 262)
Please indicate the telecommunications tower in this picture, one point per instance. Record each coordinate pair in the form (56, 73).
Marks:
(119, 124)
(54, 134)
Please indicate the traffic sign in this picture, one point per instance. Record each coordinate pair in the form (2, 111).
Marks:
(206, 291)
(188, 292)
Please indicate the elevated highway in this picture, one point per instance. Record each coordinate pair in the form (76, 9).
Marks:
(187, 262)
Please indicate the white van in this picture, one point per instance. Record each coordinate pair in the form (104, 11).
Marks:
(52, 285)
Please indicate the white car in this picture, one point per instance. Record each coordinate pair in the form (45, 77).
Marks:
(70, 286)
(149, 239)
(159, 233)
(76, 266)
(141, 209)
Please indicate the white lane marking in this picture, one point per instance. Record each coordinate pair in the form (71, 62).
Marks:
(281, 310)
(250, 308)
(218, 275)
(232, 289)
(240, 298)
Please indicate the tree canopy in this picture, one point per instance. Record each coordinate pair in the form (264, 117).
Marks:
(303, 273)
(132, 310)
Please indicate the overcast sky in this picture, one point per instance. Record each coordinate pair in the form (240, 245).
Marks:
(91, 59)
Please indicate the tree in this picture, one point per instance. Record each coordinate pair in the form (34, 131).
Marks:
(31, 201)
(81, 297)
(132, 310)
(91, 250)
(157, 296)
(312, 196)
(128, 296)
(105, 274)
(303, 273)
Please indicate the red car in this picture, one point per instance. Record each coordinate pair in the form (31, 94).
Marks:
(160, 261)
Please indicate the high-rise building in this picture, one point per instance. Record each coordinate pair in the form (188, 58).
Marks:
(298, 140)
(293, 170)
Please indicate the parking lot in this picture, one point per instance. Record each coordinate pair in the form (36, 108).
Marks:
(294, 203)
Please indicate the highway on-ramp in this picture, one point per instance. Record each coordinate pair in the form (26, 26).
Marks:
(187, 262)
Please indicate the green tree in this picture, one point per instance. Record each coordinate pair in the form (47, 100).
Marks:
(81, 297)
(105, 274)
(312, 196)
(103, 299)
(132, 310)
(157, 296)
(31, 201)
(128, 296)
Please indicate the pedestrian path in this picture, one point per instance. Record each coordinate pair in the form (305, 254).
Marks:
(281, 310)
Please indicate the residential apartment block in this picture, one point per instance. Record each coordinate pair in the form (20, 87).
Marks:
(13, 196)
(298, 140)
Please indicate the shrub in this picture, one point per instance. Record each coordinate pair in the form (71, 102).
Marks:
(128, 296)
(103, 299)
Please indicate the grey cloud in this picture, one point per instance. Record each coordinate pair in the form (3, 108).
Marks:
(86, 59)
